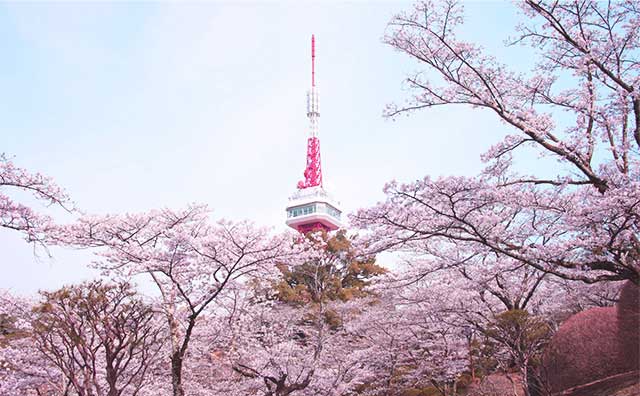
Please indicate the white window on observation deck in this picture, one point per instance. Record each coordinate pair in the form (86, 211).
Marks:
(317, 207)
(301, 210)
(328, 209)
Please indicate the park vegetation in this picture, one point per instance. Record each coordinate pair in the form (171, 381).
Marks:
(492, 264)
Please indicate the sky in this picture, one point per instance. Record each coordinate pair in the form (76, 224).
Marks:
(136, 106)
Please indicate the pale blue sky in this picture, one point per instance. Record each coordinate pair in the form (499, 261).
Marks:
(134, 106)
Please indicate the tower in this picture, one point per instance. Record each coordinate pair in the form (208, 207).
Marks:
(311, 207)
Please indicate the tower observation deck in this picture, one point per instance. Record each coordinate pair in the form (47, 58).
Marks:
(311, 207)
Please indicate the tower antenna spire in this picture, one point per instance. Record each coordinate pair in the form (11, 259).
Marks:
(313, 60)
(313, 170)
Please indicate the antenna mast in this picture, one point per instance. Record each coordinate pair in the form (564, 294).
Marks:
(313, 60)
(313, 171)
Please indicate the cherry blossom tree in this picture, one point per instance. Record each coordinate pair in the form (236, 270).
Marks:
(521, 338)
(582, 224)
(20, 217)
(23, 369)
(501, 233)
(278, 349)
(283, 333)
(192, 263)
(412, 344)
(580, 297)
(289, 335)
(506, 311)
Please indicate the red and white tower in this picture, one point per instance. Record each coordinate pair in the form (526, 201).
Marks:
(312, 208)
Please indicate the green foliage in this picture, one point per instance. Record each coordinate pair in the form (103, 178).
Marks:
(109, 310)
(84, 301)
(524, 335)
(7, 324)
(463, 381)
(94, 329)
(9, 330)
(517, 320)
(518, 326)
(338, 275)
(484, 351)
(332, 319)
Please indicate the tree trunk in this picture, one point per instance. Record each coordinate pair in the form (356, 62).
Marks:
(176, 374)
(525, 376)
(112, 375)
